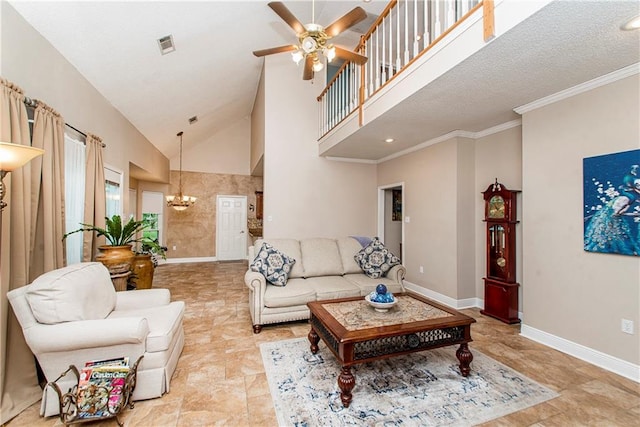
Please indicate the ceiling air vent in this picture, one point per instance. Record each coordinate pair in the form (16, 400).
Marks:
(193, 119)
(166, 44)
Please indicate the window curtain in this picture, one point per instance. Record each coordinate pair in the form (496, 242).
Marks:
(47, 247)
(94, 196)
(18, 380)
(74, 176)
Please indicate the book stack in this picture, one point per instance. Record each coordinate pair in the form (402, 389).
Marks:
(101, 388)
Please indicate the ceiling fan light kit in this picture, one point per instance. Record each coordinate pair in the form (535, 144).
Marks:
(312, 40)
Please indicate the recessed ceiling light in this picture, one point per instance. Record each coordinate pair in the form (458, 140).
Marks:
(631, 24)
(388, 140)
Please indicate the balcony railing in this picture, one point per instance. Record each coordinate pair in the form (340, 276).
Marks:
(404, 31)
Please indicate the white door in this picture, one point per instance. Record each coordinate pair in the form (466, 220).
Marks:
(231, 230)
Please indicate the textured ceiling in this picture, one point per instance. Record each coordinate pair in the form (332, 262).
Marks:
(212, 73)
(564, 44)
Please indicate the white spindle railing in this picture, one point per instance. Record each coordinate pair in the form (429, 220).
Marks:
(391, 44)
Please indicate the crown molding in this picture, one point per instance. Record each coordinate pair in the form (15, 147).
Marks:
(498, 128)
(614, 76)
(436, 140)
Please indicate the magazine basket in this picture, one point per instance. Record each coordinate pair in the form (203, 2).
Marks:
(101, 401)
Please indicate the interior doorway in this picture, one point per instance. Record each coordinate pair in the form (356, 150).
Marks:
(231, 228)
(390, 217)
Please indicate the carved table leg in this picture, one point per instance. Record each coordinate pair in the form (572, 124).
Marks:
(346, 382)
(314, 339)
(465, 357)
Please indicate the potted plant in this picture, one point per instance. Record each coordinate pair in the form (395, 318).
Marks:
(117, 255)
(145, 262)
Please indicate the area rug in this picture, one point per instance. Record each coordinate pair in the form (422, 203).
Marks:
(419, 389)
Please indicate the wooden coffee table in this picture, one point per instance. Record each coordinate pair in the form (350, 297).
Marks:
(356, 333)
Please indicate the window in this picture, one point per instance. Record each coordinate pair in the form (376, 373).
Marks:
(113, 190)
(152, 206)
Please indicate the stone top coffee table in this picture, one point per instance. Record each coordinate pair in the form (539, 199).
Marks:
(356, 333)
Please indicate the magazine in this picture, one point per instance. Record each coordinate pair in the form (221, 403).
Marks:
(101, 388)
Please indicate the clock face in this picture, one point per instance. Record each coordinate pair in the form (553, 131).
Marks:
(496, 207)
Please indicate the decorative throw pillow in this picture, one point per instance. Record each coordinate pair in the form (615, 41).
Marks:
(375, 259)
(273, 264)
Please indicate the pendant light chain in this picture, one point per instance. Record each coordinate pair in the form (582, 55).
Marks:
(179, 201)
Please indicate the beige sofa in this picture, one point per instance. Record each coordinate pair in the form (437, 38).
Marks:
(74, 315)
(324, 269)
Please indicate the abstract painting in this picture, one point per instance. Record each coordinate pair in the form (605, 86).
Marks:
(611, 203)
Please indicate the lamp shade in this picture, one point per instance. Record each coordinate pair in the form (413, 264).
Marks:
(14, 156)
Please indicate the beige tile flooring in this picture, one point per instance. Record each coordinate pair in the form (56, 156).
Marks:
(220, 379)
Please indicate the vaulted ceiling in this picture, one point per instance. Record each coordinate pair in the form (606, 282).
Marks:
(213, 75)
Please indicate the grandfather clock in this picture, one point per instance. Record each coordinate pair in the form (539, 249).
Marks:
(500, 287)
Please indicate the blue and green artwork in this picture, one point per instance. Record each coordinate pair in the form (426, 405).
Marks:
(612, 203)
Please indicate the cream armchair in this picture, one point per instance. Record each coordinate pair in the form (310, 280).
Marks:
(72, 315)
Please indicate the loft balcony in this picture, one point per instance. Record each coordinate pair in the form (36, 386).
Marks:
(438, 69)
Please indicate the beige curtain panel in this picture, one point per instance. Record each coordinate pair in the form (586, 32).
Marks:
(18, 381)
(47, 248)
(94, 196)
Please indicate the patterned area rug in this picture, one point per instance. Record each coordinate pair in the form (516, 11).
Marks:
(419, 389)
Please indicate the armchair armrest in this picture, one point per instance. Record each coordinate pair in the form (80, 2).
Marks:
(143, 298)
(86, 334)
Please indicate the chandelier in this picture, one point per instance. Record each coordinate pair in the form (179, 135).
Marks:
(179, 201)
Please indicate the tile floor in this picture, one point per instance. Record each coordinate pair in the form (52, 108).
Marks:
(220, 379)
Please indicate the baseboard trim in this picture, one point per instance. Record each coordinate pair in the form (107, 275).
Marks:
(441, 298)
(185, 260)
(595, 357)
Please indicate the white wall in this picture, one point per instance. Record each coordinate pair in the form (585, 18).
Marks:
(430, 201)
(567, 292)
(32, 63)
(306, 195)
(226, 152)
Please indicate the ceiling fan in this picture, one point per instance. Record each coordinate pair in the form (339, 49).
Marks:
(313, 38)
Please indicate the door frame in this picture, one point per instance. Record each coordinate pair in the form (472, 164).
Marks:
(245, 229)
(381, 212)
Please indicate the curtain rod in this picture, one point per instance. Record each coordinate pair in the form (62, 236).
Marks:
(33, 103)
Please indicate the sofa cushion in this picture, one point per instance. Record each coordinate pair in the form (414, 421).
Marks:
(274, 265)
(291, 247)
(297, 292)
(349, 247)
(82, 291)
(375, 259)
(321, 257)
(368, 285)
(164, 322)
(332, 287)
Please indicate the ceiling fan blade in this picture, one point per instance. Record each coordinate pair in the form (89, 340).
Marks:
(350, 56)
(347, 21)
(307, 74)
(287, 16)
(271, 51)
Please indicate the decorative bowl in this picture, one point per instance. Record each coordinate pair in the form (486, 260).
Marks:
(381, 307)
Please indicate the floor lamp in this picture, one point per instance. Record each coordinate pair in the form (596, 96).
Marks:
(12, 157)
